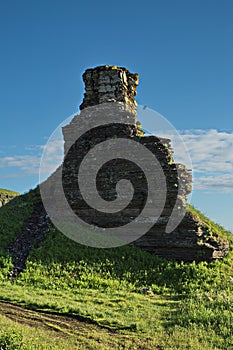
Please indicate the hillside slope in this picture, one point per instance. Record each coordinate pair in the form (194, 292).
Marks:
(24, 223)
(144, 301)
(6, 196)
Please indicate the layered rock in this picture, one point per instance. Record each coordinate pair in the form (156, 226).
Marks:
(110, 84)
(191, 239)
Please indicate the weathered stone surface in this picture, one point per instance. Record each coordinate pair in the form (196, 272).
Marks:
(110, 84)
(190, 240)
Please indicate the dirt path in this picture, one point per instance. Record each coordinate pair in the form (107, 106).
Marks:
(66, 325)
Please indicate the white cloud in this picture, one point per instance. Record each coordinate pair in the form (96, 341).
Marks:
(211, 153)
(29, 164)
(53, 147)
(26, 163)
(210, 150)
(222, 183)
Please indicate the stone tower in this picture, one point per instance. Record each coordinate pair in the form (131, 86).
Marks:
(190, 240)
(110, 84)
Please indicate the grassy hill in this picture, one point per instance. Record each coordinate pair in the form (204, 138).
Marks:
(6, 196)
(8, 192)
(75, 297)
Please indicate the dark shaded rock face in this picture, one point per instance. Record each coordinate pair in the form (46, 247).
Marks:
(32, 235)
(190, 240)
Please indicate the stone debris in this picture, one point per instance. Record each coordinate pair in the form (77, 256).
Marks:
(32, 235)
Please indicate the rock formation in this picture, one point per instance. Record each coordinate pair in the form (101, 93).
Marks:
(191, 239)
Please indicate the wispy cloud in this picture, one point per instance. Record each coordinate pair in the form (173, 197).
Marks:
(223, 183)
(29, 164)
(211, 153)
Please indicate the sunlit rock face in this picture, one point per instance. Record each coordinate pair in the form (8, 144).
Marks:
(191, 239)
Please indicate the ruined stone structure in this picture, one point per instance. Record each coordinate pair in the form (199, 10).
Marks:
(190, 240)
(110, 84)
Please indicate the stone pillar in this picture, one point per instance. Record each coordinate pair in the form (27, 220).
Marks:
(110, 84)
(116, 85)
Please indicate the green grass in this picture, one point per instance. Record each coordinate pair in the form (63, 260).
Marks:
(8, 192)
(189, 306)
(213, 228)
(12, 218)
(185, 306)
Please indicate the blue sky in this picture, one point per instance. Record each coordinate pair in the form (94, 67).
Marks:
(182, 50)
